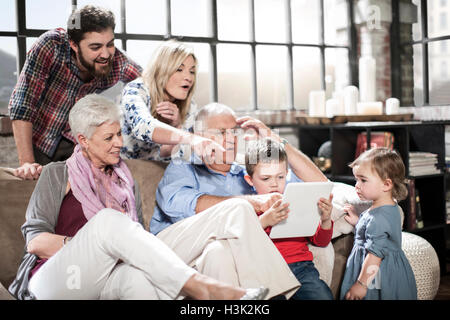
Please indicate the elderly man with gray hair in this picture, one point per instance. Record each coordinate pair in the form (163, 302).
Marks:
(205, 211)
(82, 230)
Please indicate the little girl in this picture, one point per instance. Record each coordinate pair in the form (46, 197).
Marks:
(377, 268)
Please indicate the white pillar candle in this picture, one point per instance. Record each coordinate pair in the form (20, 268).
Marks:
(316, 103)
(334, 107)
(392, 106)
(370, 108)
(339, 95)
(367, 79)
(351, 97)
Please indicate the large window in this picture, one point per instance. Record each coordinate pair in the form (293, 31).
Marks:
(429, 55)
(253, 54)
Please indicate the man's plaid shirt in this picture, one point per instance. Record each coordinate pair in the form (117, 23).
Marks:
(50, 84)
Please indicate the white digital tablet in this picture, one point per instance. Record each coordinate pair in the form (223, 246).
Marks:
(304, 216)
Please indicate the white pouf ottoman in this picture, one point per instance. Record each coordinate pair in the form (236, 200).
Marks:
(425, 264)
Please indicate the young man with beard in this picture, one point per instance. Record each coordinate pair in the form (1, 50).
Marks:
(61, 68)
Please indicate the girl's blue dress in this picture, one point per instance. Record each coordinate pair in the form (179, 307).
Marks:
(379, 232)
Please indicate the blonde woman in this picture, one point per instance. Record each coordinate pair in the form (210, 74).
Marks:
(157, 107)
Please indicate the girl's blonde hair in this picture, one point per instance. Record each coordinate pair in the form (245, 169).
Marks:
(388, 165)
(164, 63)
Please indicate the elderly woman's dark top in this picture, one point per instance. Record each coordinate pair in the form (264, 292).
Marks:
(70, 220)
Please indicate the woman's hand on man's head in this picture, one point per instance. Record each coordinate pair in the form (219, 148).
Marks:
(255, 129)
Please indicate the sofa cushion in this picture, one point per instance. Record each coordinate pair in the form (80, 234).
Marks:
(14, 196)
(345, 194)
(342, 247)
(147, 174)
(4, 294)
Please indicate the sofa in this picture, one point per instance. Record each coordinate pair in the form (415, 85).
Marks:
(14, 195)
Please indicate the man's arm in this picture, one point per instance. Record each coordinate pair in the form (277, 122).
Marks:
(24, 99)
(178, 195)
(22, 135)
(302, 166)
(207, 201)
(260, 203)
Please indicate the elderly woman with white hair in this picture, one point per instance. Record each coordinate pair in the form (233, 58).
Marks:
(82, 230)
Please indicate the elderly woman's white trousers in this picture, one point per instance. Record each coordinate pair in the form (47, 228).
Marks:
(228, 243)
(87, 266)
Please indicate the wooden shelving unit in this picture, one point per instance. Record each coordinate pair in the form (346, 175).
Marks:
(408, 137)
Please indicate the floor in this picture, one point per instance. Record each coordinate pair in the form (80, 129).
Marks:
(444, 288)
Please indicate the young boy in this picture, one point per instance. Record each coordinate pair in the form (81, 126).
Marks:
(267, 169)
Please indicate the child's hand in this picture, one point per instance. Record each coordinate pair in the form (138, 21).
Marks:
(351, 216)
(325, 208)
(356, 292)
(277, 212)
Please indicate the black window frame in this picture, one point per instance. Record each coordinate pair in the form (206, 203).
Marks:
(397, 47)
(23, 33)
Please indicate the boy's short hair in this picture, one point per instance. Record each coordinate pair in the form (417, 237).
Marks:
(263, 150)
(89, 19)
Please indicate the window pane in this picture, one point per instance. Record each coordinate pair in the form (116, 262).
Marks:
(30, 42)
(191, 18)
(271, 66)
(148, 17)
(8, 71)
(47, 14)
(141, 51)
(270, 21)
(8, 15)
(305, 21)
(438, 20)
(416, 27)
(417, 77)
(306, 74)
(118, 43)
(336, 22)
(337, 72)
(234, 76)
(234, 19)
(113, 5)
(439, 72)
(202, 94)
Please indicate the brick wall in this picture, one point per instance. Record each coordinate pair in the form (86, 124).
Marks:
(373, 21)
(376, 43)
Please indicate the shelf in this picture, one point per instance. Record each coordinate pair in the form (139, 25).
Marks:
(342, 178)
(427, 228)
(426, 176)
(408, 137)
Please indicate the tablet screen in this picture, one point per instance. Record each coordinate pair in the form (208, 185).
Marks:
(304, 216)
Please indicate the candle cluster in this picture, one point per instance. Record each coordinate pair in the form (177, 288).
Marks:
(351, 100)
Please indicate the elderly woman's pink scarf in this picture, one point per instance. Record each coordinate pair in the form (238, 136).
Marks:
(96, 190)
